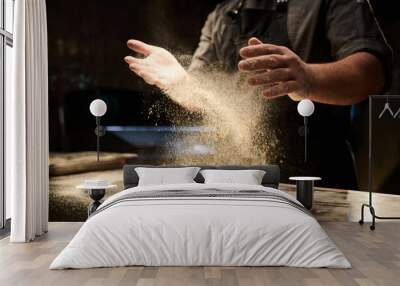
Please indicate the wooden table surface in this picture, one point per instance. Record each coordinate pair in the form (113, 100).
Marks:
(69, 204)
(345, 205)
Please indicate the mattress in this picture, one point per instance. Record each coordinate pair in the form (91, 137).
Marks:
(201, 225)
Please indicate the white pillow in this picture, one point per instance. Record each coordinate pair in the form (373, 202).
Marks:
(165, 176)
(248, 177)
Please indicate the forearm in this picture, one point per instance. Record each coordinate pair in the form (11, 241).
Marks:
(189, 93)
(347, 81)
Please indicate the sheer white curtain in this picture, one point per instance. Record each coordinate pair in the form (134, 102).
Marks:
(27, 124)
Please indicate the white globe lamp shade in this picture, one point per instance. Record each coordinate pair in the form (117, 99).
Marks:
(305, 108)
(98, 107)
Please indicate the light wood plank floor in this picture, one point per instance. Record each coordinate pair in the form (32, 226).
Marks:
(375, 257)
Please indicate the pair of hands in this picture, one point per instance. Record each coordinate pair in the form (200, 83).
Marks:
(276, 69)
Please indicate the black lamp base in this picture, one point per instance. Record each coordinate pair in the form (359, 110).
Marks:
(99, 131)
(96, 195)
(305, 193)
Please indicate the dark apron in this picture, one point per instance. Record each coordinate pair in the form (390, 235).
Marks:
(329, 156)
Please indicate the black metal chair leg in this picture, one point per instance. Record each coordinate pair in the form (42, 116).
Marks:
(372, 210)
(361, 221)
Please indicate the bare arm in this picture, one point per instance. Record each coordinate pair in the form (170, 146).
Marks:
(282, 72)
(347, 81)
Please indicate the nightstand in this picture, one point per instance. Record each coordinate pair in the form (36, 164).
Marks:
(305, 190)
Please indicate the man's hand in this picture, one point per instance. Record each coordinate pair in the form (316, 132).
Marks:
(158, 67)
(277, 69)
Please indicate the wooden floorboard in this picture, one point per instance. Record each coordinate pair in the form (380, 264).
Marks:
(375, 257)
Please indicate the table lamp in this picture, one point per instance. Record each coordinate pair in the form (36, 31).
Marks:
(98, 108)
(305, 108)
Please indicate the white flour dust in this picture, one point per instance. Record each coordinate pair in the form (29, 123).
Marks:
(232, 112)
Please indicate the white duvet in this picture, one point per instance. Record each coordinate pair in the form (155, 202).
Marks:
(200, 231)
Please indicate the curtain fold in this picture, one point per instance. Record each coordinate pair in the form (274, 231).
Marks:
(27, 122)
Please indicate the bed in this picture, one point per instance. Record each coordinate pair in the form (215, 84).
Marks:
(201, 224)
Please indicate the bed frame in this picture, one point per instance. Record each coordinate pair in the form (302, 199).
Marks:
(270, 179)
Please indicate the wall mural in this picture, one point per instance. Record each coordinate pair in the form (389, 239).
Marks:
(215, 117)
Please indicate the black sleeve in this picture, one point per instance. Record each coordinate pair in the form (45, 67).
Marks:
(352, 27)
(205, 54)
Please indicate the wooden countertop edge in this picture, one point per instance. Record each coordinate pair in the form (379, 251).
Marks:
(292, 187)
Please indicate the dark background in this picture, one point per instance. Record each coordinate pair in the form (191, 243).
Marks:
(87, 44)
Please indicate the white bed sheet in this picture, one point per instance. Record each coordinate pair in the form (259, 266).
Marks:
(200, 232)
